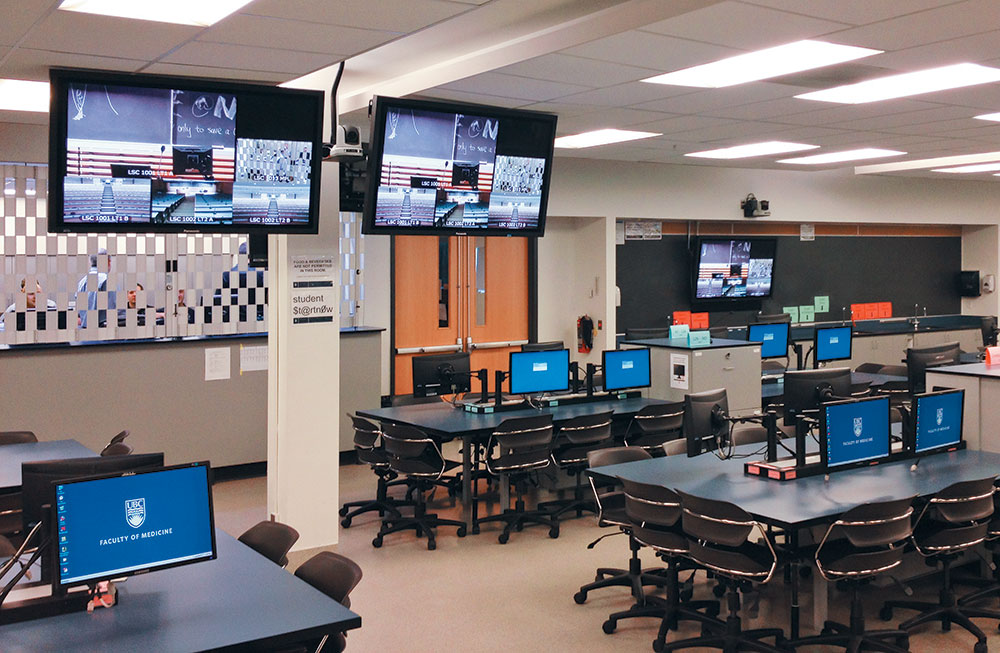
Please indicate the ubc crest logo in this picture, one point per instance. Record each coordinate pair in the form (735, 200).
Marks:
(857, 427)
(135, 512)
(940, 416)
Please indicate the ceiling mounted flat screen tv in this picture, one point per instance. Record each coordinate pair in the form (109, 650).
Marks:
(733, 269)
(164, 154)
(445, 168)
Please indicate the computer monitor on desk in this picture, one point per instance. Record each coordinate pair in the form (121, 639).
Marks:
(534, 372)
(773, 338)
(705, 421)
(937, 421)
(831, 344)
(625, 369)
(854, 432)
(441, 374)
(918, 359)
(806, 390)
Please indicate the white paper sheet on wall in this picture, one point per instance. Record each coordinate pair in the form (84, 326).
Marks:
(679, 371)
(217, 364)
(253, 359)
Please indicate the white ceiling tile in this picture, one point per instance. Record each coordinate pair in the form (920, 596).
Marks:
(908, 118)
(295, 35)
(18, 17)
(855, 12)
(735, 133)
(978, 99)
(807, 134)
(624, 95)
(388, 15)
(577, 70)
(513, 87)
(560, 108)
(610, 118)
(978, 48)
(771, 109)
(940, 24)
(24, 63)
(224, 55)
(683, 124)
(748, 27)
(475, 98)
(216, 73)
(24, 118)
(823, 113)
(662, 53)
(721, 98)
(74, 32)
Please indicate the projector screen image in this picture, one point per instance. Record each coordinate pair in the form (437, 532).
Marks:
(111, 527)
(194, 153)
(734, 268)
(484, 168)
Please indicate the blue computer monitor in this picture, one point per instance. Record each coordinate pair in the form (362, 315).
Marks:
(773, 338)
(532, 372)
(832, 344)
(625, 368)
(938, 424)
(854, 432)
(112, 526)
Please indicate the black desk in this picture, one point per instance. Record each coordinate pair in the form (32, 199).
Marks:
(242, 601)
(12, 455)
(444, 421)
(777, 389)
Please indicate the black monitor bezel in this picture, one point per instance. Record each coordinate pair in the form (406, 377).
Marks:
(604, 367)
(510, 371)
(850, 344)
(823, 453)
(456, 387)
(911, 437)
(378, 111)
(61, 77)
(746, 302)
(59, 587)
(788, 337)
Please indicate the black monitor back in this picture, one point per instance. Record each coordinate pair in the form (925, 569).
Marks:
(646, 333)
(803, 389)
(701, 411)
(918, 359)
(438, 374)
(549, 345)
(988, 326)
(772, 318)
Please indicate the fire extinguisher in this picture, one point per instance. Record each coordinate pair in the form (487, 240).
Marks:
(584, 334)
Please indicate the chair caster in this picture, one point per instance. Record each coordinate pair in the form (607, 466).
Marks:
(885, 614)
(609, 626)
(377, 542)
(344, 511)
(475, 530)
(431, 545)
(712, 610)
(904, 643)
(461, 531)
(346, 522)
(686, 595)
(980, 647)
(504, 537)
(719, 591)
(554, 532)
(826, 631)
(580, 598)
(658, 645)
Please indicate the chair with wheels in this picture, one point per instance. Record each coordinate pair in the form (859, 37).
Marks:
(865, 541)
(517, 449)
(574, 440)
(416, 456)
(988, 587)
(368, 451)
(954, 520)
(17, 437)
(719, 540)
(655, 425)
(611, 505)
(117, 449)
(334, 575)
(869, 368)
(271, 539)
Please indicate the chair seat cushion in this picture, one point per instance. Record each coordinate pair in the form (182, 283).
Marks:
(521, 461)
(661, 539)
(374, 457)
(840, 558)
(937, 537)
(575, 455)
(751, 561)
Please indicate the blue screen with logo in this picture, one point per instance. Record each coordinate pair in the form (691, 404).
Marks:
(856, 431)
(939, 420)
(539, 371)
(773, 339)
(626, 368)
(833, 344)
(117, 526)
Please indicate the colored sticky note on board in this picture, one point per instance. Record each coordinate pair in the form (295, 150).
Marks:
(682, 317)
(807, 313)
(822, 303)
(793, 311)
(699, 320)
(885, 309)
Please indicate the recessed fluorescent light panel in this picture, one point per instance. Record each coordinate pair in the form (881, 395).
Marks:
(182, 12)
(838, 157)
(21, 95)
(601, 137)
(753, 149)
(989, 116)
(763, 64)
(979, 167)
(907, 84)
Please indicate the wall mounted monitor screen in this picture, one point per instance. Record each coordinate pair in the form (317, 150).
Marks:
(854, 432)
(156, 153)
(832, 344)
(938, 420)
(108, 527)
(733, 268)
(773, 338)
(625, 368)
(532, 372)
(446, 168)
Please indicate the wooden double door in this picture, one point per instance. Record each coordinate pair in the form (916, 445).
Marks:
(459, 293)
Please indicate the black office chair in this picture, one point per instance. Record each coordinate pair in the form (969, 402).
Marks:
(654, 513)
(517, 449)
(417, 456)
(953, 520)
(647, 333)
(116, 449)
(574, 440)
(368, 451)
(17, 437)
(611, 512)
(865, 541)
(719, 539)
(918, 359)
(271, 539)
(654, 425)
(990, 586)
(334, 575)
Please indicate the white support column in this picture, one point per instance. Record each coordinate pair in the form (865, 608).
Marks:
(981, 251)
(304, 384)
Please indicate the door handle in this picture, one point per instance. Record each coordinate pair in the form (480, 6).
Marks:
(496, 345)
(428, 350)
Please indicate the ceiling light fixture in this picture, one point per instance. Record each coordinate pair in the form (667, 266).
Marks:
(763, 64)
(964, 170)
(989, 116)
(22, 95)
(182, 12)
(601, 137)
(935, 162)
(752, 149)
(846, 155)
(907, 84)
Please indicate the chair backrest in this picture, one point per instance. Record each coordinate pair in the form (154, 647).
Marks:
(616, 455)
(271, 539)
(17, 437)
(331, 573)
(117, 449)
(675, 447)
(750, 433)
(918, 359)
(649, 505)
(365, 433)
(412, 452)
(587, 429)
(869, 368)
(893, 370)
(524, 433)
(862, 389)
(119, 437)
(878, 524)
(715, 522)
(660, 418)
(965, 501)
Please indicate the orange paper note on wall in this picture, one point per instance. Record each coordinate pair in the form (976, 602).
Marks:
(699, 321)
(857, 311)
(871, 311)
(885, 309)
(682, 317)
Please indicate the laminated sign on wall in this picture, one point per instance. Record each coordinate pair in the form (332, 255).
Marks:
(314, 297)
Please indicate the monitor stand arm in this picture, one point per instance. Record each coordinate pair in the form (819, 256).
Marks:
(484, 384)
(799, 357)
(574, 376)
(498, 389)
(591, 372)
(802, 426)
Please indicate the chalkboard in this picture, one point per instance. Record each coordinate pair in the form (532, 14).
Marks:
(119, 113)
(476, 139)
(204, 119)
(427, 134)
(654, 277)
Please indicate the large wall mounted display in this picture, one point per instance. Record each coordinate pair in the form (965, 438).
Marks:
(446, 168)
(733, 268)
(156, 153)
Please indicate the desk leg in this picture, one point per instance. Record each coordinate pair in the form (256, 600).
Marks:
(467, 503)
(821, 599)
(793, 542)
